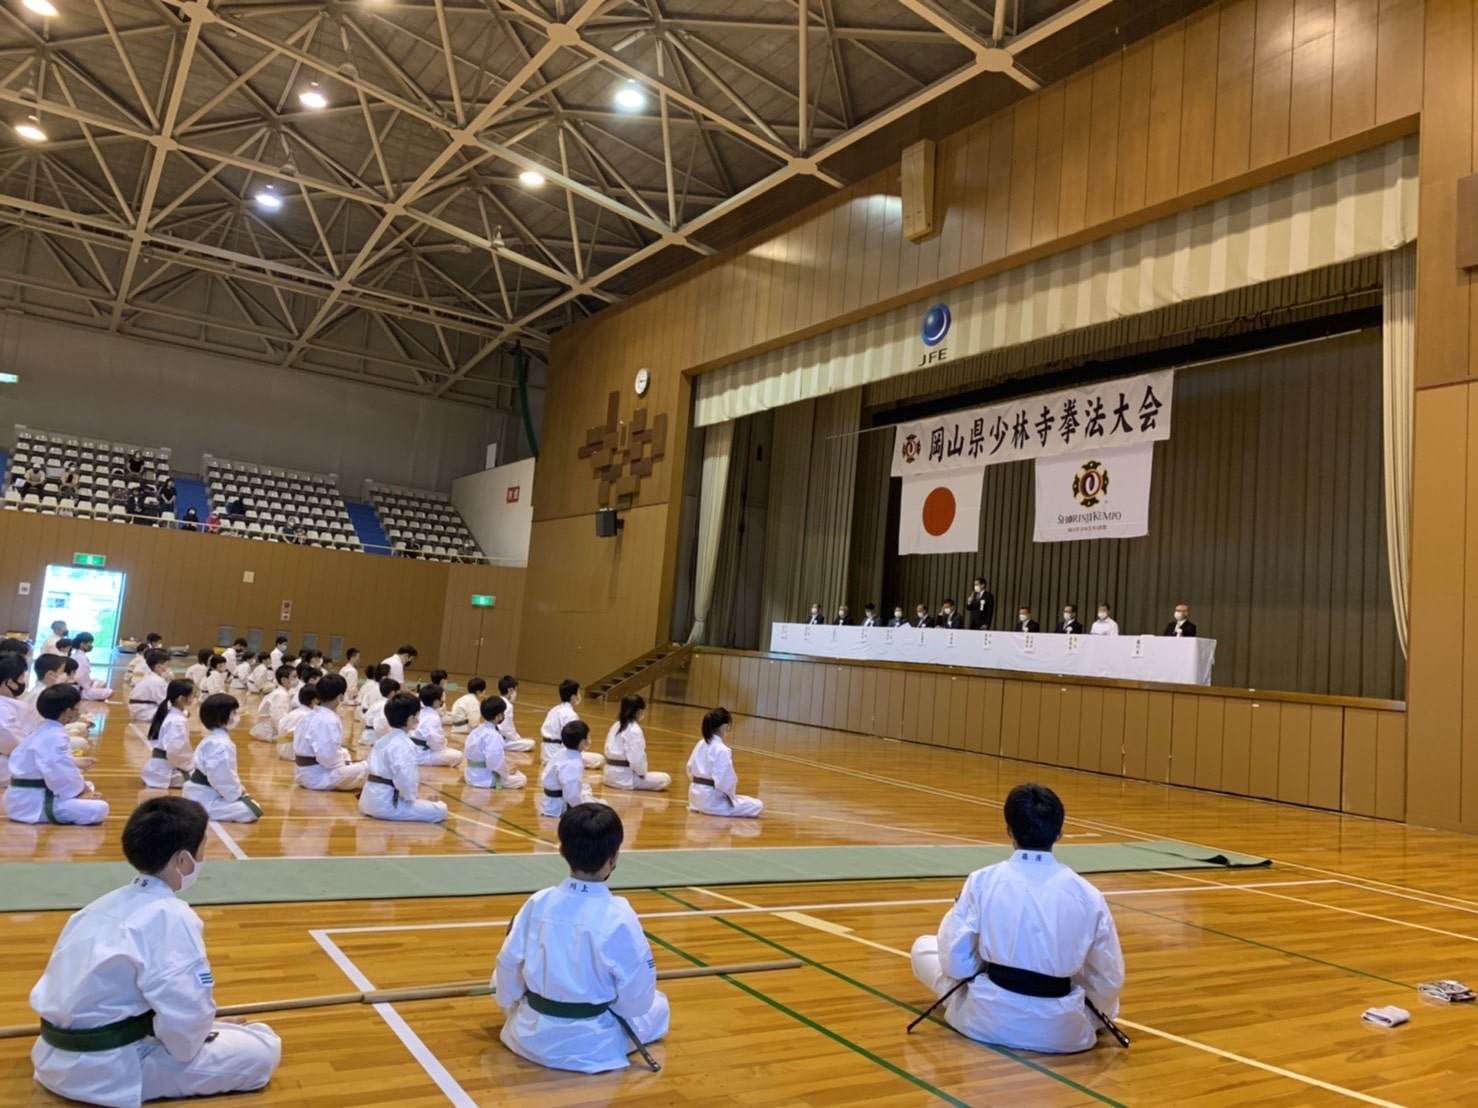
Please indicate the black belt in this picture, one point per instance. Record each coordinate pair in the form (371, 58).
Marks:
(376, 779)
(557, 794)
(422, 743)
(705, 781)
(159, 752)
(93, 1040)
(153, 702)
(618, 762)
(565, 1010)
(305, 759)
(1028, 982)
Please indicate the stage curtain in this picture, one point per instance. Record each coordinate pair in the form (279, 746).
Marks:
(1398, 395)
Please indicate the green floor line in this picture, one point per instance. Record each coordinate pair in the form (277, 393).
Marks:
(1004, 1052)
(497, 816)
(447, 827)
(806, 1021)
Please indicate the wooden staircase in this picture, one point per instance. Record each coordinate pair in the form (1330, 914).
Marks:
(640, 672)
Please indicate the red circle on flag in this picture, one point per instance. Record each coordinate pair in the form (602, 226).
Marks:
(939, 511)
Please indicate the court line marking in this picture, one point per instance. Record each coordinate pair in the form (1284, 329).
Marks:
(409, 1039)
(230, 843)
(1407, 896)
(800, 816)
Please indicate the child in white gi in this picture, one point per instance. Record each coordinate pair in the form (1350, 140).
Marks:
(555, 722)
(350, 673)
(487, 767)
(375, 726)
(278, 654)
(274, 706)
(46, 785)
(12, 709)
(215, 783)
(128, 1012)
(287, 726)
(91, 690)
(217, 676)
(170, 756)
(318, 745)
(561, 775)
(1032, 938)
(261, 679)
(465, 712)
(148, 692)
(626, 751)
(429, 737)
(370, 695)
(714, 788)
(576, 975)
(513, 742)
(201, 669)
(390, 791)
(140, 664)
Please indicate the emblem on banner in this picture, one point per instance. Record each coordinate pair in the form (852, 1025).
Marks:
(1090, 484)
(936, 325)
(912, 448)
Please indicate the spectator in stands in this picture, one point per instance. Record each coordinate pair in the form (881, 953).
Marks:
(136, 464)
(191, 522)
(212, 523)
(35, 480)
(134, 506)
(167, 495)
(291, 531)
(468, 551)
(236, 509)
(70, 478)
(412, 548)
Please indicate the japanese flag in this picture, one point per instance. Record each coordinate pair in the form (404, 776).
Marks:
(940, 512)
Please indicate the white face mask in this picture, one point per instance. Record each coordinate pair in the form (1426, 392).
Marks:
(1067, 617)
(1103, 615)
(897, 613)
(1180, 617)
(234, 722)
(1025, 617)
(188, 879)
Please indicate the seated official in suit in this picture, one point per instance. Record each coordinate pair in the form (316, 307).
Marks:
(842, 619)
(948, 618)
(981, 607)
(921, 616)
(870, 615)
(1025, 624)
(1181, 626)
(1069, 624)
(815, 619)
(898, 620)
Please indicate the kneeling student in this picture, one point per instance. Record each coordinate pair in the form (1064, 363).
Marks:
(513, 742)
(487, 766)
(318, 745)
(576, 975)
(1033, 939)
(561, 776)
(559, 717)
(148, 692)
(170, 756)
(465, 711)
(274, 706)
(715, 786)
(626, 751)
(215, 783)
(128, 1012)
(46, 786)
(429, 736)
(390, 792)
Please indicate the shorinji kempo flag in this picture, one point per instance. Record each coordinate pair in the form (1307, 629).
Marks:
(940, 512)
(1103, 495)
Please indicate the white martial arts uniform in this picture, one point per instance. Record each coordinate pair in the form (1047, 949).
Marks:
(351, 680)
(275, 658)
(376, 726)
(554, 725)
(232, 658)
(369, 699)
(85, 684)
(54, 795)
(287, 732)
(1029, 912)
(394, 759)
(260, 680)
(13, 728)
(216, 681)
(137, 667)
(49, 646)
(466, 712)
(630, 746)
(134, 950)
(578, 944)
(487, 767)
(215, 783)
(321, 737)
(561, 782)
(430, 742)
(170, 758)
(397, 668)
(146, 696)
(270, 711)
(513, 742)
(196, 673)
(1104, 627)
(713, 760)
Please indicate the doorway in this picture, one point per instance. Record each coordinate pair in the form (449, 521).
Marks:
(89, 600)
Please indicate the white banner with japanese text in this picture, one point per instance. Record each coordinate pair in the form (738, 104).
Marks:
(1102, 495)
(1106, 415)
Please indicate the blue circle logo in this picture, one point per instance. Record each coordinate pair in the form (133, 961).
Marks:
(936, 325)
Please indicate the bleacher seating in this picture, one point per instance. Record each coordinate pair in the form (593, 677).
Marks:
(103, 478)
(278, 501)
(415, 518)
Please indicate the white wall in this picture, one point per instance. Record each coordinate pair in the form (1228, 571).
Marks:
(92, 383)
(501, 527)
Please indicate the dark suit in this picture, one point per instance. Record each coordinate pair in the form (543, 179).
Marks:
(817, 620)
(922, 621)
(1030, 627)
(897, 622)
(1073, 628)
(869, 621)
(843, 621)
(1187, 630)
(951, 622)
(982, 610)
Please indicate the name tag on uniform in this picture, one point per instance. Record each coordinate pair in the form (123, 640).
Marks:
(1074, 643)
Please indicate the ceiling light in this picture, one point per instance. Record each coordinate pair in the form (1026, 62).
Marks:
(9, 379)
(42, 7)
(267, 199)
(531, 178)
(313, 97)
(630, 98)
(498, 239)
(30, 129)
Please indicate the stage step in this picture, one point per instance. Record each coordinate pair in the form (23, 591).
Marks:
(639, 673)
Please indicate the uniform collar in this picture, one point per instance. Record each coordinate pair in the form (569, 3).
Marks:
(585, 888)
(1035, 857)
(151, 884)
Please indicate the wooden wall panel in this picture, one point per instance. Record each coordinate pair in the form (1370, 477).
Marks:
(1312, 76)
(1262, 750)
(1136, 733)
(1272, 82)
(1326, 764)
(1183, 737)
(1049, 726)
(1358, 770)
(1355, 66)
(995, 693)
(1393, 740)
(1157, 736)
(1236, 44)
(1236, 747)
(1011, 718)
(1210, 724)
(1111, 746)
(1295, 724)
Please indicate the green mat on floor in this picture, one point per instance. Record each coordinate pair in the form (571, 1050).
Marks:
(42, 886)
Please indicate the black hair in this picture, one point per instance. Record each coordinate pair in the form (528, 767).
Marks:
(980, 581)
(631, 704)
(283, 670)
(331, 686)
(47, 663)
(263, 657)
(948, 601)
(64, 644)
(716, 718)
(14, 646)
(58, 699)
(70, 665)
(239, 642)
(351, 654)
(308, 696)
(1034, 815)
(409, 649)
(439, 676)
(84, 637)
(574, 733)
(218, 710)
(493, 708)
(153, 636)
(179, 687)
(869, 607)
(506, 684)
(1105, 604)
(389, 686)
(401, 707)
(569, 688)
(153, 659)
(432, 695)
(589, 836)
(307, 673)
(204, 655)
(160, 828)
(476, 685)
(217, 661)
(13, 666)
(280, 640)
(288, 658)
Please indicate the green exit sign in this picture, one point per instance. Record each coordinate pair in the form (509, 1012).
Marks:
(89, 560)
(483, 601)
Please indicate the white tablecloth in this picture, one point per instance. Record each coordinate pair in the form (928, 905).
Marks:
(1126, 657)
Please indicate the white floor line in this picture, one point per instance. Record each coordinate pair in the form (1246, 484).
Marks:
(1356, 884)
(1210, 886)
(230, 843)
(803, 920)
(960, 840)
(412, 1042)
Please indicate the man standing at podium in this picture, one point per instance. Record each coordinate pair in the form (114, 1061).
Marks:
(981, 607)
(1181, 626)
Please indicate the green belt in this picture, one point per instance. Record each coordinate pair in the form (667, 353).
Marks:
(477, 765)
(565, 1010)
(95, 1039)
(159, 752)
(199, 778)
(48, 803)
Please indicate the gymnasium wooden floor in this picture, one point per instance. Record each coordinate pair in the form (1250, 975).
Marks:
(1244, 987)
